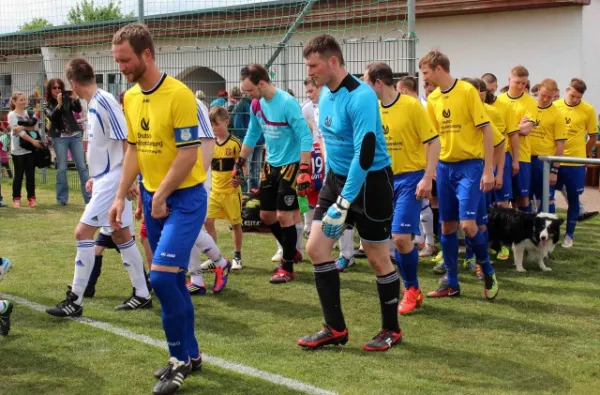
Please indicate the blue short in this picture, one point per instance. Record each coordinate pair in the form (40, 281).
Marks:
(571, 177)
(537, 178)
(407, 209)
(505, 193)
(458, 189)
(482, 211)
(172, 238)
(522, 181)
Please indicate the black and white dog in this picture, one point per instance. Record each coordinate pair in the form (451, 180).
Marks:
(536, 234)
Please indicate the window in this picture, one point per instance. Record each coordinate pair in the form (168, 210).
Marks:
(5, 89)
(100, 80)
(114, 84)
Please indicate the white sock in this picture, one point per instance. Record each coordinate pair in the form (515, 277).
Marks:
(134, 264)
(3, 304)
(279, 247)
(84, 264)
(194, 266)
(392, 248)
(207, 245)
(299, 229)
(427, 225)
(308, 218)
(347, 244)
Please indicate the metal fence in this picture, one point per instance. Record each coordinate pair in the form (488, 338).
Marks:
(206, 50)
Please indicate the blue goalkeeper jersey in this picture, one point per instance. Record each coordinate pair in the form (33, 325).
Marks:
(285, 130)
(351, 125)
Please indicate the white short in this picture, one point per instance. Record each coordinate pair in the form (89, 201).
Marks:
(103, 195)
(208, 181)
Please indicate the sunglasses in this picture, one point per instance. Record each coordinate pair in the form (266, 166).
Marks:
(56, 88)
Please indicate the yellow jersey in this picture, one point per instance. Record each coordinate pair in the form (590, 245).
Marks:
(548, 129)
(522, 106)
(161, 121)
(498, 125)
(458, 114)
(223, 160)
(407, 128)
(580, 120)
(510, 120)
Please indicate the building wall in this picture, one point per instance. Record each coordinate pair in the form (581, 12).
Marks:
(552, 43)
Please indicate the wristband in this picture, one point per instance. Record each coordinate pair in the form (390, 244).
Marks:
(241, 161)
(304, 168)
(343, 203)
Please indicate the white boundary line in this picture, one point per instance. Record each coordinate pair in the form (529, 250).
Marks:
(216, 361)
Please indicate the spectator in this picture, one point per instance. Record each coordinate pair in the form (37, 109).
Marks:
(5, 149)
(66, 136)
(200, 95)
(221, 99)
(23, 159)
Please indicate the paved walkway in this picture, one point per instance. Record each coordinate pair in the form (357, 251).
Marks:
(590, 199)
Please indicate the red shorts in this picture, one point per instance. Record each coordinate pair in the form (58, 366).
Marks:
(143, 232)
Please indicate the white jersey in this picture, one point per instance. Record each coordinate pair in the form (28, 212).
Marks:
(205, 132)
(310, 111)
(107, 129)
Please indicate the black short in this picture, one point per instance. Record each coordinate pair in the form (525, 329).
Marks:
(372, 210)
(278, 188)
(106, 241)
(434, 188)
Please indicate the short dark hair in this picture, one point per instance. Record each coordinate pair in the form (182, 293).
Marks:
(255, 73)
(578, 85)
(80, 71)
(137, 35)
(324, 45)
(489, 78)
(410, 83)
(380, 71)
(218, 113)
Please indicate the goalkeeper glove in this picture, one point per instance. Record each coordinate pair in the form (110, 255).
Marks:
(303, 181)
(333, 223)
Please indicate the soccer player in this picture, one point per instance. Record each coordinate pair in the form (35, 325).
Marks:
(204, 242)
(6, 307)
(408, 85)
(107, 134)
(358, 190)
(161, 113)
(225, 199)
(525, 108)
(547, 138)
(465, 169)
(499, 131)
(414, 147)
(491, 82)
(580, 120)
(278, 116)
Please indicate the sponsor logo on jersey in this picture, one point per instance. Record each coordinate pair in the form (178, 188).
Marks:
(568, 120)
(446, 113)
(145, 124)
(289, 199)
(328, 121)
(386, 129)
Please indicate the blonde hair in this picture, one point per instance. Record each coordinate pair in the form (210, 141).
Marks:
(549, 84)
(13, 99)
(435, 58)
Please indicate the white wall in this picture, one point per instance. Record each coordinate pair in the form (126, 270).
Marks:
(548, 42)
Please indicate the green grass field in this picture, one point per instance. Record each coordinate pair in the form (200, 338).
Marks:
(540, 336)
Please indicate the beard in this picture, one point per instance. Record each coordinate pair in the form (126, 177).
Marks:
(137, 73)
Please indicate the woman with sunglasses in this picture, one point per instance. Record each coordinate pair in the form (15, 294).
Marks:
(66, 135)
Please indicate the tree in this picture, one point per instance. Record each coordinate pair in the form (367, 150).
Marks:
(86, 11)
(35, 24)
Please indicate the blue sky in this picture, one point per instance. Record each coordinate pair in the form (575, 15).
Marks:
(15, 13)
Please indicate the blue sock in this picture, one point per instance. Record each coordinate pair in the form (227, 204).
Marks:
(190, 334)
(398, 256)
(173, 312)
(408, 266)
(480, 248)
(552, 208)
(450, 251)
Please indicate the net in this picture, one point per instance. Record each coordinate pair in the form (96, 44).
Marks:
(204, 43)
